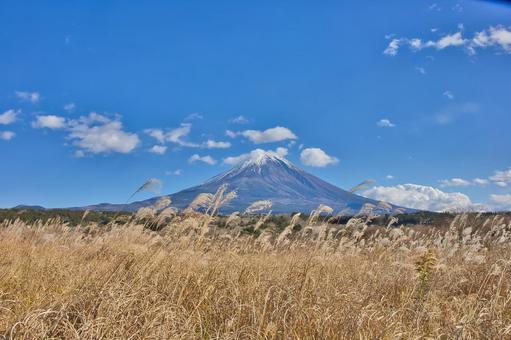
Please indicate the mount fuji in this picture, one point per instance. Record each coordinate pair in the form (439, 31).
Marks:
(265, 175)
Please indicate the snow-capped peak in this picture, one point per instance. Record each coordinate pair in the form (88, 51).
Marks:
(259, 157)
(255, 161)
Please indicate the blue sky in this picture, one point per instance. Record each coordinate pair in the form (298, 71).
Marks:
(98, 96)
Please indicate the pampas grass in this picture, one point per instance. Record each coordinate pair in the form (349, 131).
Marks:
(194, 279)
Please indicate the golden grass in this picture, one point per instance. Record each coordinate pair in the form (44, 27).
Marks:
(323, 282)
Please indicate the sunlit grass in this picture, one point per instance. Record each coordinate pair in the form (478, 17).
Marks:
(191, 279)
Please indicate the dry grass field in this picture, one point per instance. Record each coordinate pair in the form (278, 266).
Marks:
(190, 280)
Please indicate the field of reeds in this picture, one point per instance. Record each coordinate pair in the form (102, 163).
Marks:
(168, 275)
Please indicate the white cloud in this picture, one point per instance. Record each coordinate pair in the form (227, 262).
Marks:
(421, 70)
(448, 94)
(93, 118)
(157, 134)
(98, 134)
(205, 159)
(79, 154)
(501, 202)
(70, 107)
(49, 121)
(501, 178)
(281, 151)
(449, 40)
(498, 37)
(239, 120)
(389, 177)
(480, 181)
(435, 7)
(7, 135)
(393, 47)
(255, 154)
(454, 182)
(275, 134)
(316, 157)
(158, 149)
(422, 197)
(417, 44)
(231, 134)
(8, 117)
(177, 172)
(385, 122)
(211, 144)
(193, 116)
(176, 135)
(32, 97)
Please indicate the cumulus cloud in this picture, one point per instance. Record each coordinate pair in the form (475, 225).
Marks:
(157, 134)
(70, 107)
(255, 154)
(501, 177)
(454, 182)
(421, 70)
(93, 133)
(8, 117)
(389, 177)
(275, 134)
(498, 37)
(205, 159)
(176, 136)
(211, 144)
(79, 154)
(49, 122)
(239, 120)
(316, 157)
(99, 134)
(501, 202)
(448, 94)
(416, 44)
(179, 136)
(480, 181)
(7, 135)
(231, 134)
(193, 116)
(393, 47)
(435, 7)
(460, 182)
(422, 197)
(158, 149)
(385, 122)
(448, 40)
(32, 97)
(177, 172)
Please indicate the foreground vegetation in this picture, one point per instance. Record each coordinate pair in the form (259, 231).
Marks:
(162, 275)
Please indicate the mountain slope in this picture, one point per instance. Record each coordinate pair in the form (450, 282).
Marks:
(265, 176)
